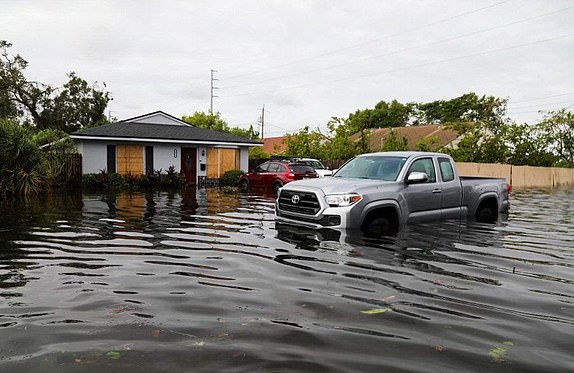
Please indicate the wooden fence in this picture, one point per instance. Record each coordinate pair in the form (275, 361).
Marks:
(521, 176)
(71, 172)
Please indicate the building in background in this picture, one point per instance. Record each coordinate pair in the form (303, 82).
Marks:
(158, 141)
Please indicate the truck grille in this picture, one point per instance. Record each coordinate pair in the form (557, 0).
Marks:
(307, 203)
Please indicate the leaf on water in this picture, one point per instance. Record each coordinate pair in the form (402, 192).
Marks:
(375, 311)
(498, 354)
(508, 343)
(113, 355)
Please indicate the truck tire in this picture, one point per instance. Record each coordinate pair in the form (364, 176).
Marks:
(487, 211)
(276, 186)
(378, 224)
(243, 185)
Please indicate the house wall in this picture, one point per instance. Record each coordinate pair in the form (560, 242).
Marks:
(166, 155)
(94, 157)
(244, 158)
(201, 159)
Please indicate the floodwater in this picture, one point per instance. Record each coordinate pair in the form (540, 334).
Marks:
(204, 281)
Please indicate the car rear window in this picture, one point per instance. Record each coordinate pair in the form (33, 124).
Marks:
(300, 168)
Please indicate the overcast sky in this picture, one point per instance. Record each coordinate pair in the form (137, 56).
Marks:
(306, 61)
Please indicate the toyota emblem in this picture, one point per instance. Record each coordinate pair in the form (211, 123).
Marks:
(295, 199)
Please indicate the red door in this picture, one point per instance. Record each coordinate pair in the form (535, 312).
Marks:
(188, 164)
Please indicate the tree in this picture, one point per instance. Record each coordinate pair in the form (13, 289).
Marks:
(384, 114)
(74, 106)
(24, 98)
(529, 145)
(392, 142)
(559, 129)
(257, 152)
(482, 142)
(428, 144)
(305, 143)
(78, 105)
(344, 140)
(20, 160)
(216, 123)
(466, 108)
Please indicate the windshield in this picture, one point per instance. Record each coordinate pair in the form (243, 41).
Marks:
(314, 163)
(373, 167)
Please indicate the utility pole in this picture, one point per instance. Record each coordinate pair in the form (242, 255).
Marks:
(212, 88)
(262, 120)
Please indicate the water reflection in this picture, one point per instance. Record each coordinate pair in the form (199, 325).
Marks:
(206, 275)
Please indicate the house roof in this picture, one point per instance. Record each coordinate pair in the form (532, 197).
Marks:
(160, 127)
(413, 134)
(275, 145)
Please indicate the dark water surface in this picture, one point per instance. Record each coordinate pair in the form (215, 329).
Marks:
(205, 281)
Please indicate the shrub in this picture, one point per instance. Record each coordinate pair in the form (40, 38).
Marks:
(21, 161)
(105, 180)
(231, 177)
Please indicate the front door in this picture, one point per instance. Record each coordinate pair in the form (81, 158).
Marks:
(188, 164)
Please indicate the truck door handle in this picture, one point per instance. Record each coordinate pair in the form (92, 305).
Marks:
(436, 190)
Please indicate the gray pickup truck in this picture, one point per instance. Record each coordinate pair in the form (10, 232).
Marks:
(377, 192)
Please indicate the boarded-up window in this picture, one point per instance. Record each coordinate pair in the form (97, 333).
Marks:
(130, 159)
(220, 160)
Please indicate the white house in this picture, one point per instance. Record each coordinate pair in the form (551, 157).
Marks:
(157, 141)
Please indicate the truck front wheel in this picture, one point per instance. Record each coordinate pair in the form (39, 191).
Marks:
(383, 222)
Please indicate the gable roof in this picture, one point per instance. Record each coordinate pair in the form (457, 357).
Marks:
(160, 127)
(158, 117)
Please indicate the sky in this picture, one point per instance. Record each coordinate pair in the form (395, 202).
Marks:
(305, 61)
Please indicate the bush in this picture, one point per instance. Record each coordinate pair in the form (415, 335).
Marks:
(21, 161)
(231, 177)
(156, 179)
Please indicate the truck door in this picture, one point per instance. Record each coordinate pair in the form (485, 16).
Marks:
(423, 199)
(451, 190)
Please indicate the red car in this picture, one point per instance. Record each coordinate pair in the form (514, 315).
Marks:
(275, 174)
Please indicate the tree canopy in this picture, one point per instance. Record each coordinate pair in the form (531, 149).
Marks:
(485, 133)
(73, 106)
(216, 123)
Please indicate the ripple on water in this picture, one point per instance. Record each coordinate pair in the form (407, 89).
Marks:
(206, 276)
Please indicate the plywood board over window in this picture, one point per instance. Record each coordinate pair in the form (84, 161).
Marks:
(130, 159)
(220, 160)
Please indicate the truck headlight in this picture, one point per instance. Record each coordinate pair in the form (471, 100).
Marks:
(342, 200)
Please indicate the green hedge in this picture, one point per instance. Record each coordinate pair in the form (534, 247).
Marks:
(105, 180)
(231, 177)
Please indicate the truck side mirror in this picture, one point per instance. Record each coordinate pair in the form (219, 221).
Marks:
(417, 178)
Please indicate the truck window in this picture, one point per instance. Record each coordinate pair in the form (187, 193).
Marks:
(446, 171)
(424, 165)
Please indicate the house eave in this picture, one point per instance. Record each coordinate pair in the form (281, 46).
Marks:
(163, 141)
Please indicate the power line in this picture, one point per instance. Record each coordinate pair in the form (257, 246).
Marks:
(542, 98)
(543, 104)
(413, 66)
(441, 41)
(338, 50)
